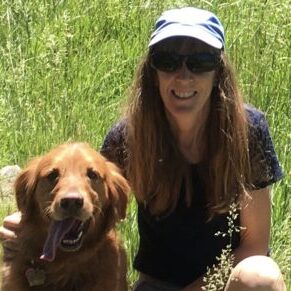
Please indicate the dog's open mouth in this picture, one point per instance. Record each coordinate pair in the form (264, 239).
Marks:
(64, 234)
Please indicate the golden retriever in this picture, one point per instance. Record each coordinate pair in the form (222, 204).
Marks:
(70, 200)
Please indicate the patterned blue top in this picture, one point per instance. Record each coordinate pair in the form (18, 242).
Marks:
(178, 247)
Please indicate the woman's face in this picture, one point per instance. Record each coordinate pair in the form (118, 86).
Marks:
(182, 91)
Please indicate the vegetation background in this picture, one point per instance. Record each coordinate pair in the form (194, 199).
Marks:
(66, 66)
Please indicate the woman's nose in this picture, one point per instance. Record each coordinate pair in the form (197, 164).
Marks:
(184, 73)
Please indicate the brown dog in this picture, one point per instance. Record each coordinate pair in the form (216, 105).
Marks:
(70, 200)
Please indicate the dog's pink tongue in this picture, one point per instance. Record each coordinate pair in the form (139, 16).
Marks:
(56, 233)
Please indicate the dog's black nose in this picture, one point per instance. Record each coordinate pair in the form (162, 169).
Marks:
(72, 202)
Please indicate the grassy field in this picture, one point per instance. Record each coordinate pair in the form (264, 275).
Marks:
(66, 66)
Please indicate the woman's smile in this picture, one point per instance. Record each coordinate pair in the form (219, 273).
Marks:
(179, 94)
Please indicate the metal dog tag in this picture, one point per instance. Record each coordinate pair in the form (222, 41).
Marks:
(35, 277)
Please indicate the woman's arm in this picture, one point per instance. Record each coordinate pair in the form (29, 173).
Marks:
(255, 220)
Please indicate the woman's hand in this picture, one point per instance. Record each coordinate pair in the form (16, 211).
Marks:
(8, 235)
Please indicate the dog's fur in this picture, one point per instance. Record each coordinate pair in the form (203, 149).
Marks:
(71, 181)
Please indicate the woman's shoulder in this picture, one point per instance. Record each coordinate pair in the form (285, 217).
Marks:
(254, 115)
(116, 135)
(257, 124)
(113, 147)
(117, 129)
(264, 160)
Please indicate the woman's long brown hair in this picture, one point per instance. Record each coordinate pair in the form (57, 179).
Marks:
(156, 167)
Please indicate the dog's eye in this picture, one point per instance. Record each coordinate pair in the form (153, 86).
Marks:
(92, 175)
(53, 175)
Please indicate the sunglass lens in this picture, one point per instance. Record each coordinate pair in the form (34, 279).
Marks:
(204, 62)
(164, 61)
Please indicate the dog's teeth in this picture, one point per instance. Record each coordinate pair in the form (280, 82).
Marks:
(73, 241)
(81, 226)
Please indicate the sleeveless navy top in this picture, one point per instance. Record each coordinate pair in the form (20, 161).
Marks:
(178, 248)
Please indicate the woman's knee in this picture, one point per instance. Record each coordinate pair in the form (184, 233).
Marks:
(256, 273)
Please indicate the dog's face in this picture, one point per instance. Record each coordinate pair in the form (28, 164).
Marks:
(68, 190)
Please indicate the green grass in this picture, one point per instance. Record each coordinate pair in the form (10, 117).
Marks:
(66, 67)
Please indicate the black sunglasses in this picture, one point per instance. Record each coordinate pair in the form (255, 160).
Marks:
(196, 63)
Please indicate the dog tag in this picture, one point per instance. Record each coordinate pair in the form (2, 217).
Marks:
(35, 277)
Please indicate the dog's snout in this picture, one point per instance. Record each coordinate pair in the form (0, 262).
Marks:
(72, 202)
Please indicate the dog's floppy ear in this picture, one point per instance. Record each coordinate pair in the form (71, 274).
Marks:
(118, 189)
(24, 186)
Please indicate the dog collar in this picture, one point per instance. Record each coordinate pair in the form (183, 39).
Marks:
(35, 275)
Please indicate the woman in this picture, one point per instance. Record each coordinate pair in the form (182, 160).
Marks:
(191, 150)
